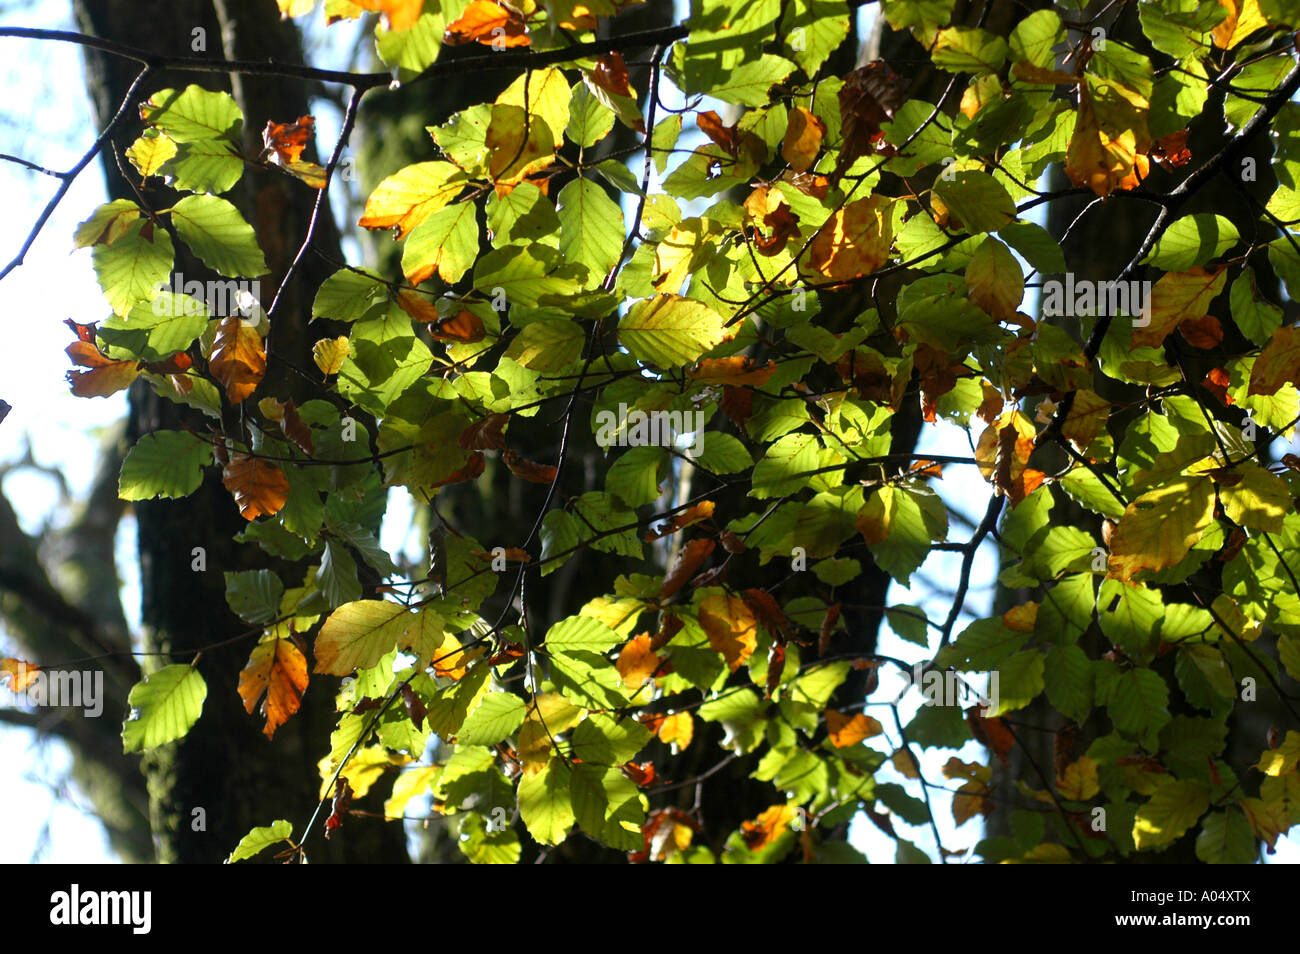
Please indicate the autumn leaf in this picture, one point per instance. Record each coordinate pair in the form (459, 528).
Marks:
(259, 487)
(689, 560)
(609, 81)
(676, 730)
(768, 826)
(1179, 297)
(972, 798)
(277, 669)
(993, 734)
(1160, 527)
(695, 513)
(464, 327)
(529, 470)
(105, 376)
(400, 14)
(637, 662)
(238, 358)
(285, 413)
(1101, 161)
(731, 628)
(286, 141)
(855, 241)
(488, 23)
(803, 139)
(486, 434)
(770, 212)
(330, 353)
(19, 673)
(869, 97)
(847, 730)
(1278, 363)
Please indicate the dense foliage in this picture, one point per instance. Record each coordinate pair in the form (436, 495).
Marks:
(683, 307)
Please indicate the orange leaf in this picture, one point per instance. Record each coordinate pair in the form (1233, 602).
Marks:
(767, 612)
(1171, 151)
(1204, 332)
(1216, 382)
(1096, 159)
(803, 139)
(400, 14)
(710, 123)
(993, 734)
(688, 561)
(106, 375)
(846, 730)
(734, 371)
(20, 673)
(693, 514)
(490, 24)
(259, 487)
(286, 141)
(855, 241)
(529, 470)
(637, 662)
(472, 470)
(768, 826)
(464, 326)
(278, 669)
(1177, 297)
(731, 628)
(768, 208)
(238, 358)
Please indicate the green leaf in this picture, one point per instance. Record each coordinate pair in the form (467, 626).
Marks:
(1067, 679)
(605, 741)
(358, 634)
(544, 803)
(134, 266)
(216, 232)
(976, 199)
(1036, 245)
(349, 295)
(590, 120)
(591, 227)
(1138, 703)
(259, 839)
(1171, 811)
(969, 50)
(749, 83)
(152, 331)
(254, 595)
(723, 454)
(164, 464)
(211, 165)
(445, 244)
(193, 114)
(668, 331)
(163, 707)
(637, 474)
(1226, 838)
(1192, 240)
(494, 720)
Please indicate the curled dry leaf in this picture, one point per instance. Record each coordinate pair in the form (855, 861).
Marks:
(529, 470)
(688, 562)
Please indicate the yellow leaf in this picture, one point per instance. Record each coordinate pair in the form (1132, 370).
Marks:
(1256, 498)
(637, 662)
(1078, 782)
(855, 241)
(1173, 809)
(1278, 363)
(518, 145)
(1099, 160)
(148, 153)
(1178, 297)
(731, 627)
(677, 730)
(295, 8)
(1243, 19)
(1160, 527)
(803, 139)
(411, 195)
(330, 353)
(1283, 759)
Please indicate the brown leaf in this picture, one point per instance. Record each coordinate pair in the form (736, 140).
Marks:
(1171, 151)
(641, 773)
(610, 74)
(710, 123)
(277, 669)
(342, 798)
(464, 326)
(490, 24)
(1216, 382)
(415, 707)
(259, 487)
(869, 97)
(1204, 332)
(472, 470)
(769, 209)
(529, 470)
(238, 358)
(829, 620)
(487, 434)
(738, 405)
(286, 141)
(732, 542)
(688, 562)
(768, 613)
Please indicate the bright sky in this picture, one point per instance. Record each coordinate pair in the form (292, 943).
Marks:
(49, 122)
